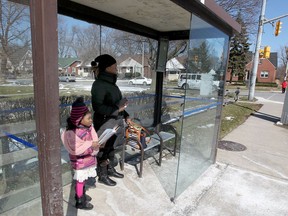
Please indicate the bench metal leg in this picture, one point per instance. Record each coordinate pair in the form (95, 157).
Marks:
(123, 156)
(141, 162)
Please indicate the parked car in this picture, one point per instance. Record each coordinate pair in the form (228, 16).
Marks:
(140, 81)
(66, 77)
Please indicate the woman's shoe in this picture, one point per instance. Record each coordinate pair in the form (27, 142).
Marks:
(103, 176)
(112, 172)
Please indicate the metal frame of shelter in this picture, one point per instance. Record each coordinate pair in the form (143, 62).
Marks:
(45, 75)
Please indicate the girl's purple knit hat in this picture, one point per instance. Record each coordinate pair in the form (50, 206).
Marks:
(79, 109)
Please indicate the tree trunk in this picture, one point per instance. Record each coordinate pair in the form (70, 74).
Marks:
(231, 76)
(3, 68)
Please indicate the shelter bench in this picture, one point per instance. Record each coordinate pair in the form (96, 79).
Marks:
(158, 138)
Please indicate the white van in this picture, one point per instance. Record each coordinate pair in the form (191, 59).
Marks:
(66, 77)
(193, 81)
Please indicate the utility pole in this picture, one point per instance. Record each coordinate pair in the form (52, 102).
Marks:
(262, 21)
(284, 116)
(253, 76)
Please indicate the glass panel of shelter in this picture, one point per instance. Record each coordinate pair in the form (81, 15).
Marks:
(207, 56)
(19, 175)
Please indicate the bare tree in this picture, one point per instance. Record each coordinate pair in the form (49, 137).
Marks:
(281, 70)
(87, 42)
(284, 55)
(250, 11)
(66, 39)
(14, 27)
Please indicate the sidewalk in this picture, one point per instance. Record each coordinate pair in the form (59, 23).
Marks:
(251, 182)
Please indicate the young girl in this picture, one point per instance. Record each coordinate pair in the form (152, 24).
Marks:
(81, 141)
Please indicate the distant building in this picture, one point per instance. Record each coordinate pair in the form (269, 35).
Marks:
(267, 70)
(173, 69)
(133, 65)
(68, 65)
(19, 61)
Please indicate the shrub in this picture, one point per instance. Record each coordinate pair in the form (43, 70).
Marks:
(267, 84)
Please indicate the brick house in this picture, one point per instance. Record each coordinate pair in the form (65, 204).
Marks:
(266, 73)
(68, 65)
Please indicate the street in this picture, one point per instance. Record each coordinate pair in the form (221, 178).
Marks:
(273, 96)
(85, 85)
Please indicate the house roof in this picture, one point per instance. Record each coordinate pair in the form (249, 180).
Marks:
(129, 62)
(16, 54)
(137, 58)
(65, 62)
(273, 58)
(174, 65)
(249, 65)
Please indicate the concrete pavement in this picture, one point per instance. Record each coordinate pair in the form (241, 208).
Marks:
(251, 182)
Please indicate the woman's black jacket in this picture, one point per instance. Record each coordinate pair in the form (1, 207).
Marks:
(105, 99)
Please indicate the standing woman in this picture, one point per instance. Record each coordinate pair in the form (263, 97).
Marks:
(284, 86)
(108, 106)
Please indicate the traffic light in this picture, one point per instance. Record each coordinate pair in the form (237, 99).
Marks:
(261, 53)
(267, 52)
(278, 28)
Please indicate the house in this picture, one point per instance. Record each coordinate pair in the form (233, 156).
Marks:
(266, 72)
(19, 61)
(131, 65)
(84, 69)
(267, 69)
(173, 69)
(26, 64)
(68, 65)
(130, 68)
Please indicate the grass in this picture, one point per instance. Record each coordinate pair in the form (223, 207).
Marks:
(237, 113)
(8, 90)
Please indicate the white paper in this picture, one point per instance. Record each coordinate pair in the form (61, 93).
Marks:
(109, 132)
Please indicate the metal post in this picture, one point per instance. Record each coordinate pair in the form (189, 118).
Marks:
(46, 92)
(160, 69)
(256, 57)
(143, 58)
(284, 116)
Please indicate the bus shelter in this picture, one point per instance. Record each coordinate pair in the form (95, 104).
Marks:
(194, 111)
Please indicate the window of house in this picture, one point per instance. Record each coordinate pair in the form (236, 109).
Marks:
(264, 74)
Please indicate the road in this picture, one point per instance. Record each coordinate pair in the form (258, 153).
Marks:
(85, 85)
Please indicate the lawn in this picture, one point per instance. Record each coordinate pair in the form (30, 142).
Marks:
(235, 114)
(8, 90)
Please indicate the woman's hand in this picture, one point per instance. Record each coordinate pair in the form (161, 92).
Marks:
(123, 104)
(123, 107)
(128, 120)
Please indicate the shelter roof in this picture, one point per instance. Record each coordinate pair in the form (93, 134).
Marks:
(150, 18)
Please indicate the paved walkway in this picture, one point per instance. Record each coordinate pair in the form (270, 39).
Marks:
(251, 182)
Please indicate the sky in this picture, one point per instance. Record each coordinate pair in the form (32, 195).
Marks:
(275, 8)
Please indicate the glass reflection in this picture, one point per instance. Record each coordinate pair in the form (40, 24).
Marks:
(202, 81)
